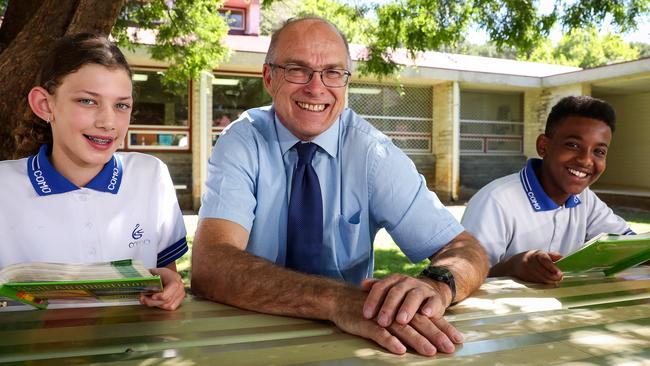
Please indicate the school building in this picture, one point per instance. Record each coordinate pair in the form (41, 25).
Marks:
(464, 120)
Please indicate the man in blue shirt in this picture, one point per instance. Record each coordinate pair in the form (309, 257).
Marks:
(243, 241)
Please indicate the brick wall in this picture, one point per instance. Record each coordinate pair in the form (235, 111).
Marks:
(477, 171)
(426, 165)
(445, 138)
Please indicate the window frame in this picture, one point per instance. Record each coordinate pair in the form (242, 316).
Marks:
(159, 129)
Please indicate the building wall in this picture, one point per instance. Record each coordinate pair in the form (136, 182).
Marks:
(180, 169)
(476, 171)
(426, 165)
(628, 159)
(446, 112)
(537, 106)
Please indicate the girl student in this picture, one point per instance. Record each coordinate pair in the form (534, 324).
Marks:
(74, 199)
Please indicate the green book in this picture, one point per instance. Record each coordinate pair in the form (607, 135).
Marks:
(609, 253)
(38, 284)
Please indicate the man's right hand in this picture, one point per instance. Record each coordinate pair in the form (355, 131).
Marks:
(537, 266)
(426, 336)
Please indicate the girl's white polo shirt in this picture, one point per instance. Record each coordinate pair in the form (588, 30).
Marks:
(129, 210)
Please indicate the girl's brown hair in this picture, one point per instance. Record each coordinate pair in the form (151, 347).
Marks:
(68, 55)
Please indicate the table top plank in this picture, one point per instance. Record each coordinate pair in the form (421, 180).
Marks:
(584, 319)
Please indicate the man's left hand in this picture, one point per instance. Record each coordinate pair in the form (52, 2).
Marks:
(399, 297)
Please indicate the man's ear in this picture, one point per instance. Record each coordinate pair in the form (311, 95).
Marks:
(266, 76)
(542, 145)
(39, 101)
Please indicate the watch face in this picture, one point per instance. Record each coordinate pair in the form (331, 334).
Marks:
(440, 272)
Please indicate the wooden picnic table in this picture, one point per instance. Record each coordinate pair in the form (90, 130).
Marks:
(587, 319)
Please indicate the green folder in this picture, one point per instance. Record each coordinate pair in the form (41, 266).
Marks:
(609, 253)
(36, 283)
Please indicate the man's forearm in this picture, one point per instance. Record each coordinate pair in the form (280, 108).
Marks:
(467, 260)
(232, 276)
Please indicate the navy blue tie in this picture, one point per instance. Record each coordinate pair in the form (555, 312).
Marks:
(305, 219)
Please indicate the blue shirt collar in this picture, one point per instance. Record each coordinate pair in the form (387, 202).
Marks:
(328, 140)
(537, 197)
(46, 180)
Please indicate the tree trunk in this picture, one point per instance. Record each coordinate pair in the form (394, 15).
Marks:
(18, 13)
(86, 17)
(22, 58)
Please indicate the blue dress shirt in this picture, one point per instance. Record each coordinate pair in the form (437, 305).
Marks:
(367, 183)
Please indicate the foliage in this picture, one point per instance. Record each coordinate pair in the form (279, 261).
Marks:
(488, 49)
(351, 20)
(644, 48)
(514, 26)
(585, 48)
(188, 34)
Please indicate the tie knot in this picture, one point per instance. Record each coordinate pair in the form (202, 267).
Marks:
(305, 152)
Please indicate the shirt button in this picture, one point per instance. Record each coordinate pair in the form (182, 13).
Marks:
(83, 198)
(92, 252)
(89, 225)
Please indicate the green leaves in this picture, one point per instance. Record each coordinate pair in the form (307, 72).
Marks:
(585, 48)
(188, 35)
(421, 25)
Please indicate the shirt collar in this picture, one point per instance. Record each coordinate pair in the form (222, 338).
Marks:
(537, 197)
(328, 140)
(47, 181)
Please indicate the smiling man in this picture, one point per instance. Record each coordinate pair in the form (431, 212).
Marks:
(529, 220)
(296, 193)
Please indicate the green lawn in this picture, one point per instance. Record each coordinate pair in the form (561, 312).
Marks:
(389, 259)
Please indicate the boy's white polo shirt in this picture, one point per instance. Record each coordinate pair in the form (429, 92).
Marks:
(513, 214)
(129, 210)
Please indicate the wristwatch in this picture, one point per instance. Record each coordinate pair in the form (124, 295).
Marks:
(441, 274)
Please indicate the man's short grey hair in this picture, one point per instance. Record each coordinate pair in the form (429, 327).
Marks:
(271, 53)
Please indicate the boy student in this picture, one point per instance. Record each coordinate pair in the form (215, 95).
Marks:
(75, 200)
(528, 220)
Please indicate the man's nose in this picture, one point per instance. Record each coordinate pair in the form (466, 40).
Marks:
(315, 85)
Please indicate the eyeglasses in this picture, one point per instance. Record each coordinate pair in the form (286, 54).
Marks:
(332, 78)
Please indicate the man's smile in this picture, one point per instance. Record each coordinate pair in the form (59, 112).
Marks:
(312, 107)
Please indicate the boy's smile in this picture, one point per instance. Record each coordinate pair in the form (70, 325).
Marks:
(574, 156)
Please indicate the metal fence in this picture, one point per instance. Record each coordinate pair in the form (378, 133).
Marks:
(403, 114)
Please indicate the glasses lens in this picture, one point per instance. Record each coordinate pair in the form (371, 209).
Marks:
(302, 75)
(297, 74)
(334, 77)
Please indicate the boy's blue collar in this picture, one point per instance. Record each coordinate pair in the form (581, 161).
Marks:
(537, 197)
(47, 181)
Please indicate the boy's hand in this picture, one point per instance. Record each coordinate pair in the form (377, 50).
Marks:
(537, 266)
(173, 290)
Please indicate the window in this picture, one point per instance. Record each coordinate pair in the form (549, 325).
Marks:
(491, 123)
(235, 18)
(232, 95)
(406, 115)
(160, 114)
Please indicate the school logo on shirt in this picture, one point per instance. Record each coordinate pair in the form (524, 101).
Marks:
(137, 232)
